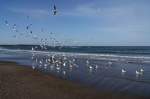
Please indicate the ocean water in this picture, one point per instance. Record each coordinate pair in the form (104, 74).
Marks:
(133, 50)
(103, 68)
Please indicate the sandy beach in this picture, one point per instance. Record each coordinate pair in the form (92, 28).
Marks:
(19, 82)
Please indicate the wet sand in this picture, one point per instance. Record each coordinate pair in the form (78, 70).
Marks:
(20, 82)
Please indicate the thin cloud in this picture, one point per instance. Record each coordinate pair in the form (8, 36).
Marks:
(113, 11)
(30, 12)
(82, 10)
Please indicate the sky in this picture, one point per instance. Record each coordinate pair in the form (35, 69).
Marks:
(78, 22)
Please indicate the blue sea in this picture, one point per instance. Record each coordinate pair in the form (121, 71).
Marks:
(119, 69)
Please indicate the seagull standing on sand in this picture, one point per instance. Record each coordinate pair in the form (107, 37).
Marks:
(141, 70)
(74, 60)
(110, 63)
(33, 67)
(137, 72)
(45, 66)
(40, 62)
(64, 64)
(123, 71)
(32, 49)
(96, 67)
(64, 72)
(57, 68)
(90, 67)
(87, 62)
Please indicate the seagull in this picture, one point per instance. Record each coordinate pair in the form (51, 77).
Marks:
(57, 65)
(138, 73)
(45, 66)
(31, 32)
(6, 22)
(64, 64)
(64, 72)
(96, 66)
(36, 60)
(141, 70)
(87, 62)
(90, 67)
(70, 66)
(110, 63)
(74, 60)
(49, 60)
(28, 26)
(40, 62)
(58, 68)
(33, 67)
(32, 49)
(14, 27)
(123, 71)
(46, 60)
(55, 10)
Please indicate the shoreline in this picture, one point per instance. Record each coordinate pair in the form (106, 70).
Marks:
(20, 82)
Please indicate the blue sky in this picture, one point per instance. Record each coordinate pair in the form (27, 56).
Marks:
(79, 22)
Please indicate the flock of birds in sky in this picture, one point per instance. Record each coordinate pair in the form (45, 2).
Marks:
(54, 61)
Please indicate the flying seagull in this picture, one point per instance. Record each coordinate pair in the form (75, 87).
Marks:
(54, 10)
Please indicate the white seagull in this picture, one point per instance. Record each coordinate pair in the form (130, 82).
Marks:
(141, 70)
(123, 71)
(138, 73)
